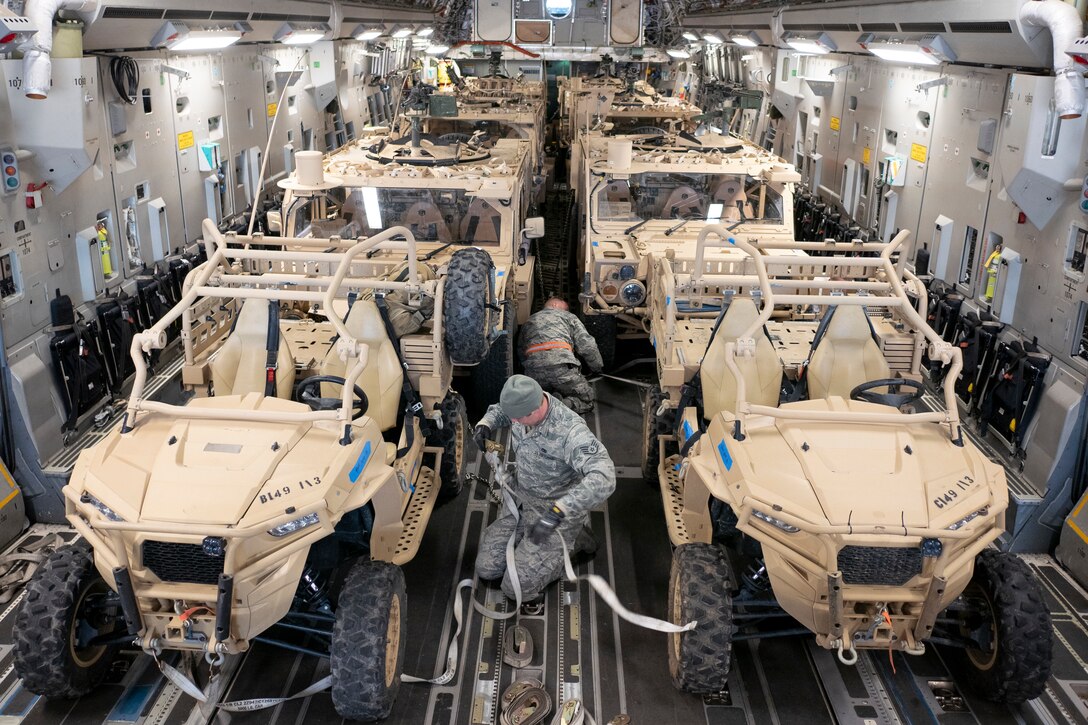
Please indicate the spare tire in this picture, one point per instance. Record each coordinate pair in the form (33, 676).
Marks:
(467, 306)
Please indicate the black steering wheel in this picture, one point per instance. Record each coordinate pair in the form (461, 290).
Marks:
(304, 394)
(893, 397)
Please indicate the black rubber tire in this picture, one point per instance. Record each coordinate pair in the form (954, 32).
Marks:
(1019, 666)
(487, 378)
(699, 590)
(654, 425)
(467, 317)
(451, 439)
(45, 654)
(369, 615)
(603, 328)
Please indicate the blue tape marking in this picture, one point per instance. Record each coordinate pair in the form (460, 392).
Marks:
(668, 300)
(687, 430)
(732, 241)
(596, 244)
(360, 464)
(724, 453)
(500, 273)
(131, 704)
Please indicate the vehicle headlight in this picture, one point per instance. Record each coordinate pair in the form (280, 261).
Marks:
(297, 525)
(777, 523)
(102, 508)
(969, 518)
(633, 293)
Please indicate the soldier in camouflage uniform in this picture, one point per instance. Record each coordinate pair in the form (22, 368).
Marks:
(563, 472)
(548, 342)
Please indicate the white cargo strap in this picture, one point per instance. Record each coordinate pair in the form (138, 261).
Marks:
(186, 685)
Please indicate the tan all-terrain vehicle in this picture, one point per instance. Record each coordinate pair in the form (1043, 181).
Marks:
(860, 509)
(651, 194)
(282, 498)
(467, 206)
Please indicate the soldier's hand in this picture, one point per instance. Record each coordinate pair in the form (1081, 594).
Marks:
(546, 526)
(481, 435)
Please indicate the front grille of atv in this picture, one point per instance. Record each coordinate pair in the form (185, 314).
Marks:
(879, 565)
(186, 563)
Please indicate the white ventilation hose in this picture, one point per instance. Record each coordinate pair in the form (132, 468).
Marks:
(37, 66)
(1064, 23)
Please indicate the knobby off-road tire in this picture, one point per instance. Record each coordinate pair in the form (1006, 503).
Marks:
(654, 425)
(604, 329)
(466, 313)
(487, 378)
(46, 655)
(451, 439)
(1018, 665)
(367, 652)
(699, 660)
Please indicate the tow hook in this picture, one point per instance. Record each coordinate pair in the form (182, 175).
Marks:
(881, 617)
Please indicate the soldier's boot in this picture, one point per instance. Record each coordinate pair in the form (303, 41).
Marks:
(585, 547)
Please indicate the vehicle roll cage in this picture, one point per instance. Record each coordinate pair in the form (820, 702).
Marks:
(304, 270)
(796, 271)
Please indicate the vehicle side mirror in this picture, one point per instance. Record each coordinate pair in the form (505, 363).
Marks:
(534, 227)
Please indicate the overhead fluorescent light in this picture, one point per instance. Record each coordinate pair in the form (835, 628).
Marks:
(425, 32)
(367, 32)
(713, 38)
(678, 53)
(436, 49)
(690, 36)
(927, 50)
(821, 44)
(179, 36)
(372, 208)
(294, 34)
(402, 32)
(748, 40)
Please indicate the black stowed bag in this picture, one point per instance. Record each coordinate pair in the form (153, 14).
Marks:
(77, 366)
(117, 324)
(1012, 396)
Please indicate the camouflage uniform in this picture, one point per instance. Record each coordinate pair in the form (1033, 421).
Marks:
(559, 461)
(546, 347)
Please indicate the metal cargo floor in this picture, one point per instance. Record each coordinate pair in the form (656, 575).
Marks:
(584, 650)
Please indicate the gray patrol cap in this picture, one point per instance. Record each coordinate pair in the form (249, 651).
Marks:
(520, 396)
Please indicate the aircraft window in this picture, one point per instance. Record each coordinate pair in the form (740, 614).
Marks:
(1078, 248)
(698, 197)
(558, 9)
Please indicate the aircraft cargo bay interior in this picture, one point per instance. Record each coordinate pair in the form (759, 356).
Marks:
(543, 363)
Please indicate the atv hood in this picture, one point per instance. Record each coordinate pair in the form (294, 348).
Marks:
(207, 471)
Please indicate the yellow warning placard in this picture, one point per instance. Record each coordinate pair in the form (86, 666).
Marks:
(185, 140)
(918, 152)
(271, 109)
(866, 155)
(836, 123)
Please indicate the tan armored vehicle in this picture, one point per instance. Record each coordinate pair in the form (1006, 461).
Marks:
(652, 194)
(859, 510)
(283, 501)
(466, 205)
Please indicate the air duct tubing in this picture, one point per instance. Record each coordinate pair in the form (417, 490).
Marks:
(1064, 23)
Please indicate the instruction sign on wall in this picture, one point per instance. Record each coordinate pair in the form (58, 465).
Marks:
(836, 123)
(918, 153)
(185, 140)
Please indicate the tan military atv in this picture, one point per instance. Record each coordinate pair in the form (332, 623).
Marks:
(865, 521)
(269, 507)
(467, 206)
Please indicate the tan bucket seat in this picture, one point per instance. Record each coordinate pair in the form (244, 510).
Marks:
(240, 366)
(382, 377)
(762, 372)
(845, 356)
